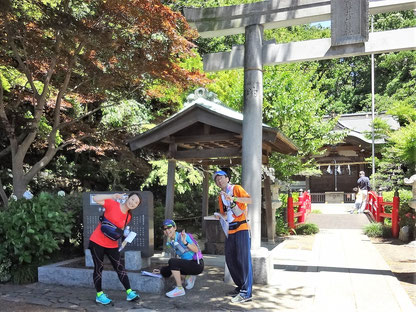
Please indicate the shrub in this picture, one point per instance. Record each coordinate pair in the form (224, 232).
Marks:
(306, 229)
(281, 226)
(377, 230)
(72, 204)
(30, 231)
(5, 270)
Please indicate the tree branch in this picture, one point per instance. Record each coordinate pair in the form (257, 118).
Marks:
(3, 195)
(3, 117)
(7, 150)
(22, 64)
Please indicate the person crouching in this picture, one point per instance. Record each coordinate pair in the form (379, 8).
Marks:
(189, 263)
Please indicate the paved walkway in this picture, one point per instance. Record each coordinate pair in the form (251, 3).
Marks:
(337, 270)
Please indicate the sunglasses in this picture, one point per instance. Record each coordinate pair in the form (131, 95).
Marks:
(165, 228)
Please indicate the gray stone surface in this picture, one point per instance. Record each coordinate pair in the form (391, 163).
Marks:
(349, 22)
(231, 20)
(262, 266)
(88, 258)
(404, 234)
(251, 161)
(133, 260)
(312, 50)
(63, 274)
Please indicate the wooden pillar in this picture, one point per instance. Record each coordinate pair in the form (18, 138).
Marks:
(170, 189)
(205, 197)
(269, 211)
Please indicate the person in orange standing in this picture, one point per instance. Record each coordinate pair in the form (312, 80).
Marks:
(117, 215)
(233, 200)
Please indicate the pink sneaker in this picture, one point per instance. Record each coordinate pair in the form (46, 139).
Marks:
(190, 281)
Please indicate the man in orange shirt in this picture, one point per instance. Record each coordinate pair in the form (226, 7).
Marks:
(233, 200)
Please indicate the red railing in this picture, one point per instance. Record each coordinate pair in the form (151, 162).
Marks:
(304, 207)
(376, 206)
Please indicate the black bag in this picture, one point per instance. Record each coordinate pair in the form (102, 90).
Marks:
(110, 230)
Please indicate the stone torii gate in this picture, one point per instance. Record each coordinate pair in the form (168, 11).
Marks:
(349, 37)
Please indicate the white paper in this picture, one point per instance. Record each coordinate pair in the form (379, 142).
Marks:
(130, 237)
(224, 223)
(151, 274)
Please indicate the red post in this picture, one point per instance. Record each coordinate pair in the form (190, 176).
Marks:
(302, 207)
(290, 211)
(308, 202)
(380, 208)
(395, 215)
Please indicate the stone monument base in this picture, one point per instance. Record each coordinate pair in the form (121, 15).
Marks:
(262, 266)
(62, 273)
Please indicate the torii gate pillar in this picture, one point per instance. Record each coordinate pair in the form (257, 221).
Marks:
(252, 127)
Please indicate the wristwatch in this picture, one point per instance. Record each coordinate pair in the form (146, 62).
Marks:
(186, 244)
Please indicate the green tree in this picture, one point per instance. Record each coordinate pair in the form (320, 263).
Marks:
(62, 59)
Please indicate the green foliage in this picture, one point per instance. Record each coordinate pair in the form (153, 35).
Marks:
(398, 157)
(25, 273)
(347, 81)
(377, 230)
(292, 105)
(186, 176)
(282, 228)
(306, 229)
(5, 270)
(72, 205)
(128, 115)
(404, 111)
(381, 129)
(228, 86)
(159, 216)
(403, 144)
(31, 230)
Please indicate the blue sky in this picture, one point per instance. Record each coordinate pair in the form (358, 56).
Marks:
(324, 24)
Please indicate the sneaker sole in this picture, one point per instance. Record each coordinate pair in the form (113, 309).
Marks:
(242, 301)
(134, 299)
(111, 302)
(175, 296)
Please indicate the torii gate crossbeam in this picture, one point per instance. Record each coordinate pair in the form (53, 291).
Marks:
(232, 20)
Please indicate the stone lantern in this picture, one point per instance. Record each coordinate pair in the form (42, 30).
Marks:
(412, 202)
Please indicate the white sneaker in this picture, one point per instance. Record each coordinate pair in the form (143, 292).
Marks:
(190, 281)
(176, 292)
(239, 299)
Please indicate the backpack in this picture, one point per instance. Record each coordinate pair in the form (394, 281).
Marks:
(198, 255)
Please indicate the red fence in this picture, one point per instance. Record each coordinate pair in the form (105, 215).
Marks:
(304, 207)
(376, 206)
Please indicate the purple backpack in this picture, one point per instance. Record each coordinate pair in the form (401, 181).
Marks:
(197, 255)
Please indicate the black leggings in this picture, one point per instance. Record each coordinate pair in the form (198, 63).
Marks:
(113, 254)
(187, 267)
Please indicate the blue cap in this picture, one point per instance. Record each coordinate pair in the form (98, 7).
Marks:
(219, 173)
(169, 223)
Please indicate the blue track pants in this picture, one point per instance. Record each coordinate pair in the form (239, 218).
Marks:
(238, 259)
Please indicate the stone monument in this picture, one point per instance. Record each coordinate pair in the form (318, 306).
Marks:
(137, 253)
